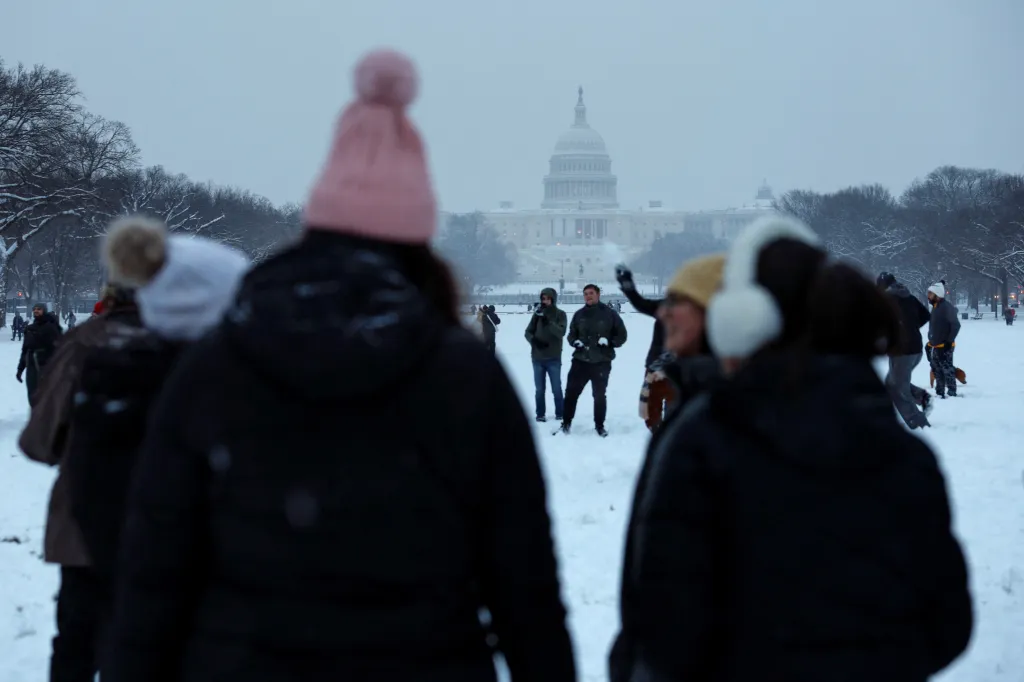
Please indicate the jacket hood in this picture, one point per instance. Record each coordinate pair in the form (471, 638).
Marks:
(332, 318)
(548, 291)
(810, 410)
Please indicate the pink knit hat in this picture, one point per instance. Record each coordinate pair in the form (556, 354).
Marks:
(376, 183)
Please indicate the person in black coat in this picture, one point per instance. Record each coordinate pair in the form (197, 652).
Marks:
(909, 399)
(17, 327)
(41, 337)
(788, 528)
(282, 525)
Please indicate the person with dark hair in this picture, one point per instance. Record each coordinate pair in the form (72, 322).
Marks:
(595, 332)
(943, 328)
(544, 333)
(41, 337)
(909, 399)
(789, 528)
(339, 480)
(1009, 314)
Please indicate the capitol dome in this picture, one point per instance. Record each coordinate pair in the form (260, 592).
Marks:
(580, 169)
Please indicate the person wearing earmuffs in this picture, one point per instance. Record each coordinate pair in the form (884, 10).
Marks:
(787, 527)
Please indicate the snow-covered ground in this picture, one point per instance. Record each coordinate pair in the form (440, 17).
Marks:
(591, 485)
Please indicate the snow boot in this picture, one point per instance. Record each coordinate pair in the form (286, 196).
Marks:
(542, 419)
(565, 428)
(601, 432)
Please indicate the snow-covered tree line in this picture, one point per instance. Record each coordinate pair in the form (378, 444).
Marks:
(66, 172)
(963, 225)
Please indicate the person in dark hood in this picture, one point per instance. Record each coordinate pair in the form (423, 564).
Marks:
(789, 527)
(943, 328)
(1009, 314)
(595, 332)
(41, 336)
(909, 399)
(281, 524)
(544, 333)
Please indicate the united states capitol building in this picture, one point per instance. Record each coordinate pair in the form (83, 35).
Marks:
(580, 230)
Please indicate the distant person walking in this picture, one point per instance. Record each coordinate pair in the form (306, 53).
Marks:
(1009, 314)
(17, 327)
(545, 333)
(595, 332)
(908, 399)
(41, 338)
(489, 321)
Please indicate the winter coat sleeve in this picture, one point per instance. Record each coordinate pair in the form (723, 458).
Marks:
(23, 360)
(922, 316)
(520, 575)
(163, 549)
(551, 329)
(44, 436)
(531, 329)
(672, 577)
(574, 330)
(947, 618)
(954, 322)
(618, 337)
(643, 305)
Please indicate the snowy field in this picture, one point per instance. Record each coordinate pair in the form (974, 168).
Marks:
(978, 438)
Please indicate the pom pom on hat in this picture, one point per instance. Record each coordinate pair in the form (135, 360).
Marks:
(386, 78)
(135, 250)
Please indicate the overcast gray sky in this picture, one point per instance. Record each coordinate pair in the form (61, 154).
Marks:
(697, 101)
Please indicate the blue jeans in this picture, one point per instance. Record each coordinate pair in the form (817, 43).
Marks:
(541, 370)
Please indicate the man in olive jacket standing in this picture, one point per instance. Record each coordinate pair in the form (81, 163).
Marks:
(545, 333)
(595, 332)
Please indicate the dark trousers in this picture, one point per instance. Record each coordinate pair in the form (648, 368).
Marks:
(580, 374)
(905, 396)
(944, 370)
(543, 370)
(82, 608)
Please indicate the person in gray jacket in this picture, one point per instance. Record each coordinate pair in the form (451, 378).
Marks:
(942, 331)
(908, 399)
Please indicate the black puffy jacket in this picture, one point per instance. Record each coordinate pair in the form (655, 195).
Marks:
(788, 528)
(119, 383)
(913, 316)
(334, 485)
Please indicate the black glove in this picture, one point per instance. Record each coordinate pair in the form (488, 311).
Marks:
(624, 277)
(18, 376)
(540, 312)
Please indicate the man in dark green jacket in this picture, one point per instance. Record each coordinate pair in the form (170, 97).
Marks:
(595, 332)
(545, 333)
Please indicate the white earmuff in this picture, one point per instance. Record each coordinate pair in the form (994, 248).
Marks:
(744, 317)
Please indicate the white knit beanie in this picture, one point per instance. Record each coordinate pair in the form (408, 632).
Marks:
(938, 289)
(183, 284)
